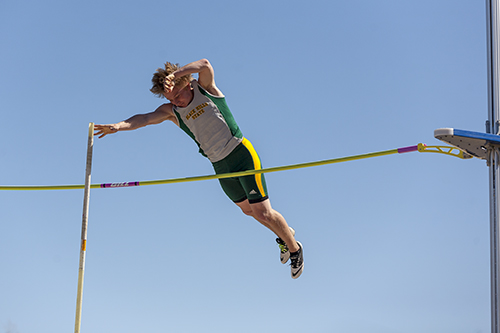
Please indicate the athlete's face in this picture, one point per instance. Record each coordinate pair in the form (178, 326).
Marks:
(180, 96)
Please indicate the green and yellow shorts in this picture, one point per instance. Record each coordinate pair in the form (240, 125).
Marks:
(252, 187)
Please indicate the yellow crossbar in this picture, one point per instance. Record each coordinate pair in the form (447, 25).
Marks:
(420, 147)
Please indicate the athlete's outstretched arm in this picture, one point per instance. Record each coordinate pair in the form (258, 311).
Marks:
(162, 113)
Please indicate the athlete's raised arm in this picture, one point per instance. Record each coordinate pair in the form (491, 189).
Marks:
(162, 113)
(205, 76)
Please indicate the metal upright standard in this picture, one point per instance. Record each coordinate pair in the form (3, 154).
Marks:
(492, 126)
(487, 147)
(83, 245)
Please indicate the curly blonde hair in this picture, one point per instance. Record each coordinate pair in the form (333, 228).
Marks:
(159, 78)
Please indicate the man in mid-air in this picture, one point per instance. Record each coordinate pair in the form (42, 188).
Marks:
(199, 108)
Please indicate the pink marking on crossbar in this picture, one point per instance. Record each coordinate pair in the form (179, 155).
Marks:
(407, 149)
(124, 184)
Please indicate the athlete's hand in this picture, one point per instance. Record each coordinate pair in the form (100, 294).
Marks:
(169, 83)
(103, 130)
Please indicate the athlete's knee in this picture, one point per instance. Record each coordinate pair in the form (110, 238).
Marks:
(248, 212)
(245, 208)
(256, 213)
(262, 214)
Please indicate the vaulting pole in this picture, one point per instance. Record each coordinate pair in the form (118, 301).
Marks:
(83, 245)
(493, 39)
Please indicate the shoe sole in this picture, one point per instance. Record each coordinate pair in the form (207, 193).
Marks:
(299, 272)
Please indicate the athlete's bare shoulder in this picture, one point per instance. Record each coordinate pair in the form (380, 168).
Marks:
(166, 112)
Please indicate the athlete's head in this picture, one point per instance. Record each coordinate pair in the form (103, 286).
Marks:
(159, 76)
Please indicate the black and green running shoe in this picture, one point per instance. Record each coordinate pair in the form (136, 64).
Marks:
(284, 252)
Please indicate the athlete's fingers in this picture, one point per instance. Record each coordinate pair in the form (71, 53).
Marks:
(103, 130)
(169, 83)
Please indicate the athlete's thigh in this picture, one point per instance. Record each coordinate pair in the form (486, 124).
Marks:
(233, 188)
(254, 185)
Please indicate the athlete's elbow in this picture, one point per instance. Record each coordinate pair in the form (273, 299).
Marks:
(204, 63)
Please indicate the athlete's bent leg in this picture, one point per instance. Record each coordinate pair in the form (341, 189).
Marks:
(247, 210)
(270, 218)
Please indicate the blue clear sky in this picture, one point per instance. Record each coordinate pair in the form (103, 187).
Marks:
(392, 244)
